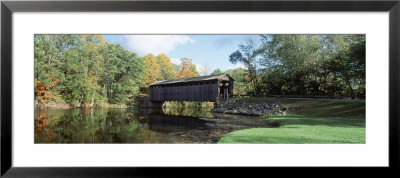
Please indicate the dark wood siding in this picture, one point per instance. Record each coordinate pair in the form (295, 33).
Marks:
(191, 91)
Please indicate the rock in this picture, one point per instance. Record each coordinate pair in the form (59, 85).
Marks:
(231, 111)
(218, 110)
(249, 113)
(241, 111)
(254, 109)
(257, 113)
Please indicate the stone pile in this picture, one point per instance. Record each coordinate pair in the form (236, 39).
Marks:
(253, 109)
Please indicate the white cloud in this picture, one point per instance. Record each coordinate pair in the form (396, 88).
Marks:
(176, 61)
(155, 44)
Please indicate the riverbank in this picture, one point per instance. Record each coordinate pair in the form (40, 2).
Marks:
(61, 104)
(307, 121)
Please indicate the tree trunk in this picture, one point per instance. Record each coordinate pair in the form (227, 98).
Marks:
(93, 97)
(351, 88)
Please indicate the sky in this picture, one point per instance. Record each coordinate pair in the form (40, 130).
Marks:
(204, 50)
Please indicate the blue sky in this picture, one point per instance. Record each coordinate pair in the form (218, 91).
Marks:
(205, 50)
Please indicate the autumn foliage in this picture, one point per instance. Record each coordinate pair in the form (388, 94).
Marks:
(41, 92)
(152, 70)
(186, 72)
(87, 71)
(43, 126)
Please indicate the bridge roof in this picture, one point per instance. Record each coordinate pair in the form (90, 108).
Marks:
(220, 77)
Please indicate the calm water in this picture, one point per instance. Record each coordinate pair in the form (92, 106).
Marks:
(136, 126)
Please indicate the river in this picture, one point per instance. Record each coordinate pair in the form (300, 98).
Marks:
(136, 126)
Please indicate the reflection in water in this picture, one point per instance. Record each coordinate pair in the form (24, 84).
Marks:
(175, 124)
(193, 112)
(135, 126)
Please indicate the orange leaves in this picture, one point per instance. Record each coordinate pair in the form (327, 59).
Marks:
(160, 68)
(235, 92)
(40, 87)
(89, 105)
(42, 92)
(43, 126)
(186, 72)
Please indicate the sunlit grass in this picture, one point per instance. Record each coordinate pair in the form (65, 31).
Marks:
(312, 121)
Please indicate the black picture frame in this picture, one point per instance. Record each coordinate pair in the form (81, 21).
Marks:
(8, 7)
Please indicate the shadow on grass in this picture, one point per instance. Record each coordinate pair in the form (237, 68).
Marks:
(330, 108)
(325, 113)
(319, 120)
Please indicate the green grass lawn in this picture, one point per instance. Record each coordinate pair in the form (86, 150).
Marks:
(312, 121)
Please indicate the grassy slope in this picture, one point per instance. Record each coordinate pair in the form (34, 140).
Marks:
(313, 121)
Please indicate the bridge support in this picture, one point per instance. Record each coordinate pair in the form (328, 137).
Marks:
(217, 103)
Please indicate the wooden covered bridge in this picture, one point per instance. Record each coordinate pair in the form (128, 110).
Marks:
(204, 88)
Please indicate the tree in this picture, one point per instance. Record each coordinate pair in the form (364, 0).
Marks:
(241, 85)
(216, 72)
(124, 72)
(84, 66)
(48, 67)
(41, 92)
(166, 68)
(348, 64)
(313, 64)
(188, 69)
(248, 55)
(204, 70)
(293, 57)
(84, 70)
(152, 70)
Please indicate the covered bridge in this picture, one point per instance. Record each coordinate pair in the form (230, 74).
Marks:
(203, 88)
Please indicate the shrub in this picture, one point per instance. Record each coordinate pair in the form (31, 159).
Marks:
(273, 123)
